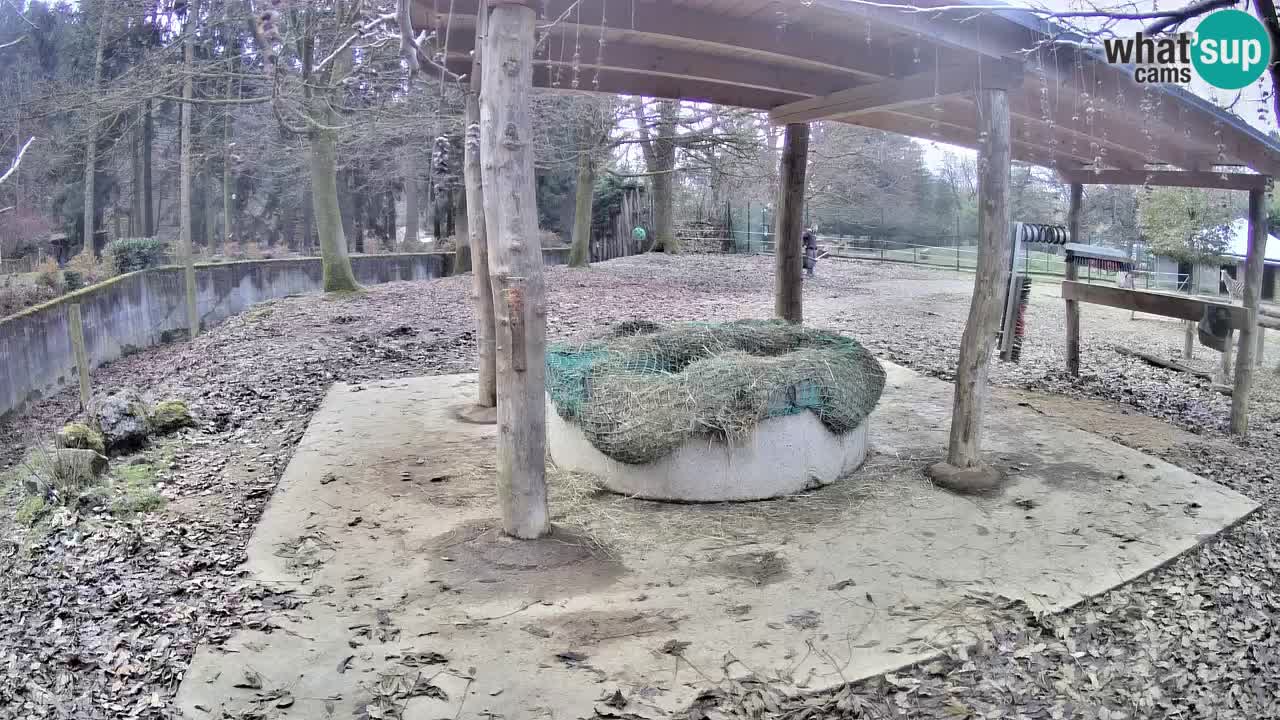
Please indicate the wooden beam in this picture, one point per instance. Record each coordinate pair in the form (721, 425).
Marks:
(1182, 307)
(619, 82)
(694, 29)
(788, 302)
(1249, 331)
(1072, 272)
(1167, 178)
(900, 92)
(694, 63)
(511, 220)
(965, 449)
(956, 134)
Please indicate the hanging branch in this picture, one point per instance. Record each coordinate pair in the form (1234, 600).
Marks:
(16, 161)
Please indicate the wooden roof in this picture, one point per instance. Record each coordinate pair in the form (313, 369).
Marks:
(882, 64)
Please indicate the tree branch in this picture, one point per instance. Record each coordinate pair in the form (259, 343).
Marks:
(17, 160)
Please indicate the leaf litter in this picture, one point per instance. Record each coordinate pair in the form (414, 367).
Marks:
(99, 616)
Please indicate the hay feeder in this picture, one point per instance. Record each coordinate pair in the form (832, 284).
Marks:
(703, 412)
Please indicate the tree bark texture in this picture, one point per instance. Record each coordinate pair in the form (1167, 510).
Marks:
(1072, 272)
(1250, 333)
(789, 255)
(91, 145)
(990, 280)
(580, 248)
(334, 259)
(659, 149)
(411, 211)
(184, 184)
(473, 186)
(148, 206)
(338, 276)
(511, 217)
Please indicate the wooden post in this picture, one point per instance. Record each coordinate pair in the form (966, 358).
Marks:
(1262, 347)
(515, 258)
(964, 470)
(789, 225)
(1073, 273)
(1252, 298)
(481, 289)
(75, 326)
(1189, 339)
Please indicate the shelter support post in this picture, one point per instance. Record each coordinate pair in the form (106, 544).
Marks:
(481, 290)
(789, 297)
(1252, 298)
(964, 470)
(1072, 272)
(515, 258)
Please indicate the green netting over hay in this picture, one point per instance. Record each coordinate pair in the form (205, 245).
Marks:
(642, 390)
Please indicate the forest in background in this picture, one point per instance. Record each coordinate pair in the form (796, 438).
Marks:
(319, 122)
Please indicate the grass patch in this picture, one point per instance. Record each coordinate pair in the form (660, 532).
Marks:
(135, 490)
(31, 511)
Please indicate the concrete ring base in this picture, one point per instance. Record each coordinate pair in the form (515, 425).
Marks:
(785, 455)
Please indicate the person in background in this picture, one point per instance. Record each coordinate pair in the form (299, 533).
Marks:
(810, 239)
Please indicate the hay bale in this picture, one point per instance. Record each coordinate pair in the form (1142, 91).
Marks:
(644, 390)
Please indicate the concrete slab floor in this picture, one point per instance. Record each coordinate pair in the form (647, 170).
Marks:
(384, 523)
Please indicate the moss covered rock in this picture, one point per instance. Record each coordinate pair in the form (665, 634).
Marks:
(80, 436)
(171, 416)
(122, 419)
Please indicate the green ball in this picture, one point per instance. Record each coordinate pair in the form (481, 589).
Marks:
(1231, 49)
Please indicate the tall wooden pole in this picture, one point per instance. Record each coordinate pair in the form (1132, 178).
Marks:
(184, 184)
(789, 225)
(515, 257)
(1252, 298)
(481, 289)
(964, 470)
(1073, 273)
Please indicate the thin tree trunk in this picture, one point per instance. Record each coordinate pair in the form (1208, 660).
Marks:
(91, 144)
(148, 140)
(184, 178)
(506, 149)
(411, 211)
(136, 222)
(580, 250)
(965, 450)
(481, 287)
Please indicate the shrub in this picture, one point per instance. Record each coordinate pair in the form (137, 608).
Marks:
(87, 271)
(130, 254)
(16, 297)
(49, 275)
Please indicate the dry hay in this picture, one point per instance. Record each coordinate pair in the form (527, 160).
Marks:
(643, 390)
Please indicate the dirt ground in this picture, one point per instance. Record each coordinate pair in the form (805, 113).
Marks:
(99, 616)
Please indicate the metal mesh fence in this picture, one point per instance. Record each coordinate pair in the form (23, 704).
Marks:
(643, 389)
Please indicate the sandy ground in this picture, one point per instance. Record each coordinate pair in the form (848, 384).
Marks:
(1194, 639)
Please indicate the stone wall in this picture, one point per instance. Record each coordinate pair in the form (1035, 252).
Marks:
(145, 308)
